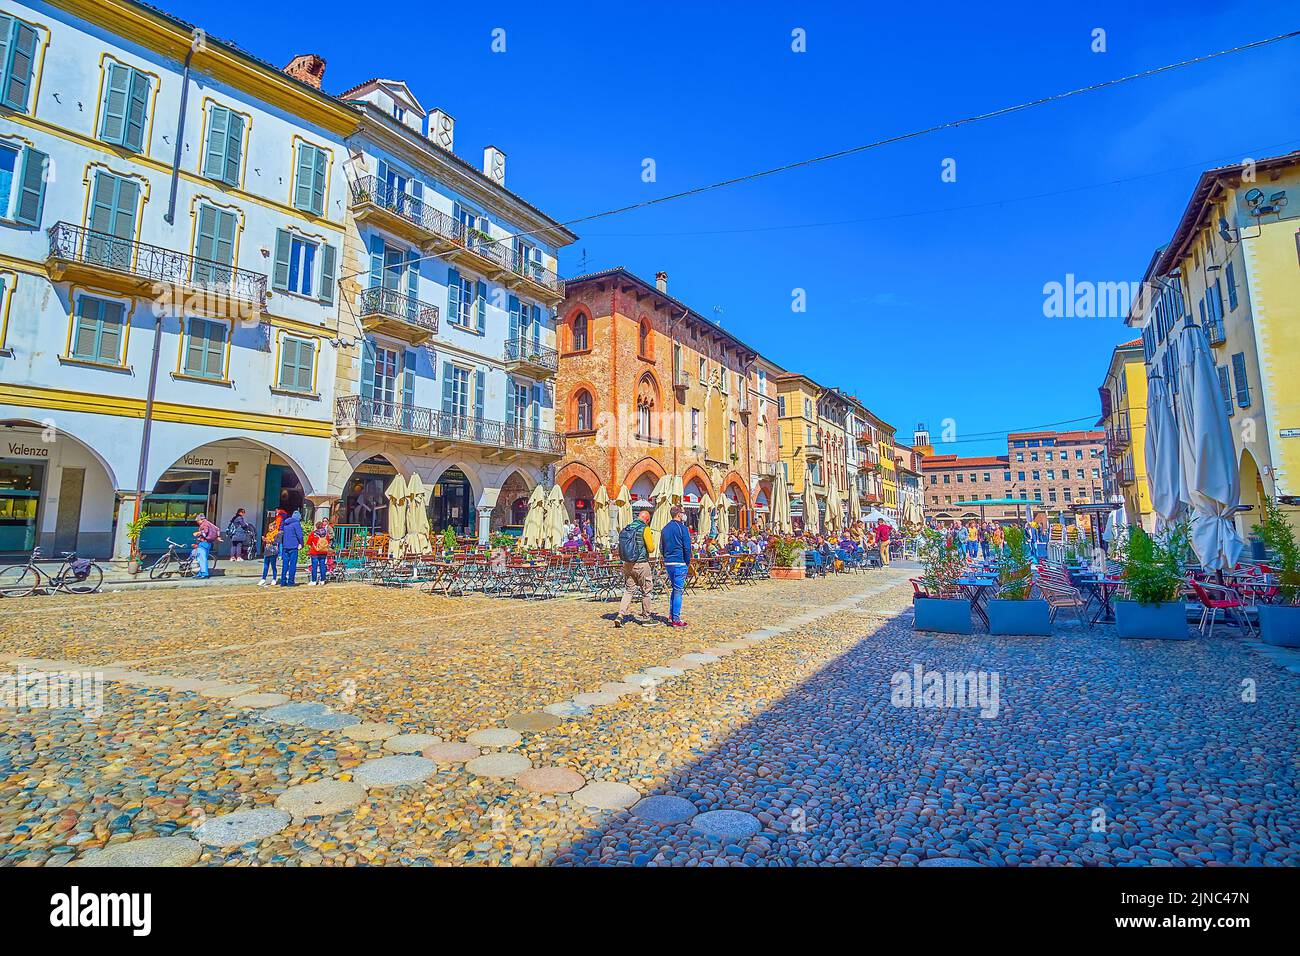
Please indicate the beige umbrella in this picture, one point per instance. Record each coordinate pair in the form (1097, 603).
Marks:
(557, 516)
(855, 505)
(706, 515)
(531, 537)
(832, 502)
(722, 525)
(811, 517)
(417, 517)
(623, 509)
(600, 518)
(663, 496)
(779, 506)
(396, 495)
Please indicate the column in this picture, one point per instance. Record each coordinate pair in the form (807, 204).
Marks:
(484, 523)
(125, 512)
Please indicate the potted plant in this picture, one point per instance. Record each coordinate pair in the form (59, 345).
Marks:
(942, 565)
(448, 539)
(1015, 610)
(1280, 623)
(134, 528)
(787, 560)
(1155, 607)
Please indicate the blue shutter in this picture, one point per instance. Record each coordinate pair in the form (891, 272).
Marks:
(515, 319)
(234, 147)
(19, 68)
(367, 369)
(453, 295)
(538, 395)
(31, 190)
(447, 378)
(302, 186)
(478, 402)
(136, 106)
(214, 155)
(413, 283)
(318, 184)
(1225, 388)
(481, 306)
(408, 378)
(112, 128)
(376, 262)
(538, 315)
(1232, 286)
(327, 253)
(280, 273)
(1239, 377)
(511, 385)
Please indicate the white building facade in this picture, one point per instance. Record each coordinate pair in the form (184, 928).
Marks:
(193, 289)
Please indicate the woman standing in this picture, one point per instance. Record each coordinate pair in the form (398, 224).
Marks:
(241, 536)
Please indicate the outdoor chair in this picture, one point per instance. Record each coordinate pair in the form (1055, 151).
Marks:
(1059, 595)
(1219, 597)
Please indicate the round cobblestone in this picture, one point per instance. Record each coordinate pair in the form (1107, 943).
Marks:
(502, 766)
(605, 795)
(410, 743)
(550, 780)
(730, 825)
(533, 721)
(664, 810)
(260, 700)
(153, 851)
(323, 798)
(242, 826)
(450, 752)
(394, 771)
(595, 699)
(494, 737)
(371, 731)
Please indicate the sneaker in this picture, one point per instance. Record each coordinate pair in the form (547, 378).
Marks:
(650, 622)
(618, 621)
(676, 623)
(263, 583)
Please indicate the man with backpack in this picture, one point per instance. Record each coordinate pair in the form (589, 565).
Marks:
(205, 539)
(636, 543)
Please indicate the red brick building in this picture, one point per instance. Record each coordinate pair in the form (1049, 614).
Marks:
(648, 387)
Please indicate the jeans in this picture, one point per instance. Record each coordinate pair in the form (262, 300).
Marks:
(289, 570)
(269, 569)
(972, 549)
(318, 568)
(238, 550)
(201, 552)
(677, 579)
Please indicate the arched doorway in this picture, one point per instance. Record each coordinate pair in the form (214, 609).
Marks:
(451, 503)
(512, 505)
(737, 504)
(641, 488)
(364, 504)
(693, 493)
(1252, 494)
(577, 499)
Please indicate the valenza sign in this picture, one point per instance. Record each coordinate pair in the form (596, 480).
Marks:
(19, 450)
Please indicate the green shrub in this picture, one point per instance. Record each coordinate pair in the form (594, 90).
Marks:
(788, 552)
(1014, 573)
(1151, 569)
(1276, 532)
(942, 564)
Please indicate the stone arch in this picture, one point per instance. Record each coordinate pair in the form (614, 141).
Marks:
(156, 472)
(734, 478)
(645, 466)
(576, 469)
(696, 473)
(515, 486)
(645, 338)
(60, 432)
(577, 315)
(1253, 491)
(571, 423)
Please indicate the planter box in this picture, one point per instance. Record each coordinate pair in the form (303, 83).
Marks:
(949, 615)
(1019, 617)
(1279, 624)
(1166, 621)
(788, 574)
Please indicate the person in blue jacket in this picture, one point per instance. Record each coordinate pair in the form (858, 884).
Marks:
(675, 547)
(291, 539)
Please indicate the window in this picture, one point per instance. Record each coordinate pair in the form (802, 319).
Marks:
(1078, 453)
(1066, 493)
(303, 266)
(1006, 476)
(959, 478)
(22, 184)
(126, 101)
(457, 392)
(731, 437)
(1020, 476)
(97, 331)
(309, 181)
(1020, 456)
(1239, 379)
(205, 348)
(1096, 473)
(225, 146)
(643, 340)
(1036, 476)
(114, 201)
(578, 341)
(297, 360)
(584, 414)
(695, 428)
(807, 408)
(214, 245)
(1051, 474)
(17, 59)
(1033, 456)
(704, 371)
(1225, 388)
(466, 301)
(780, 406)
(947, 479)
(987, 477)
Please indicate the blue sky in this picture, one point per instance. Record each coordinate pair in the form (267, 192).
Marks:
(923, 297)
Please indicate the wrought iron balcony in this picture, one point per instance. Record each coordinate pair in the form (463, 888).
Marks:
(431, 427)
(105, 261)
(402, 316)
(531, 358)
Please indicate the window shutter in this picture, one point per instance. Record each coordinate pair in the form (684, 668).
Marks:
(136, 107)
(408, 378)
(481, 306)
(83, 343)
(214, 156)
(31, 192)
(225, 239)
(113, 128)
(234, 147)
(1239, 377)
(206, 247)
(288, 358)
(538, 315)
(510, 402)
(447, 397)
(6, 29)
(478, 394)
(302, 186)
(537, 407)
(1232, 286)
(453, 295)
(1225, 387)
(515, 319)
(367, 369)
(376, 262)
(327, 254)
(280, 274)
(18, 89)
(110, 335)
(318, 184)
(413, 283)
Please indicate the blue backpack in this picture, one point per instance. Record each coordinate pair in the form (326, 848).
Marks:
(631, 543)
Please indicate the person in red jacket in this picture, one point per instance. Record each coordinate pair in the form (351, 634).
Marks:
(319, 550)
(883, 532)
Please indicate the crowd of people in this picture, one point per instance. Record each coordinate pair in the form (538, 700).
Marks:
(980, 540)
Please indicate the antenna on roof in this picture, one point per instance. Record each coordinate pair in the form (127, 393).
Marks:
(718, 310)
(582, 263)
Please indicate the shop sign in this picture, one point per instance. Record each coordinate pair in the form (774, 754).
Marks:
(17, 449)
(194, 461)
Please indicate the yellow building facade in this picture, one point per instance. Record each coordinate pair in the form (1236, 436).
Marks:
(1124, 410)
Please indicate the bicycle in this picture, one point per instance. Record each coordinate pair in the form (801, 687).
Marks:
(75, 576)
(187, 565)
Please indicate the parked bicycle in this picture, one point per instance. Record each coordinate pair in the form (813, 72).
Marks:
(178, 559)
(75, 576)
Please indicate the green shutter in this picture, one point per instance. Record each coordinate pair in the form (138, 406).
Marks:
(31, 190)
(234, 147)
(327, 274)
(280, 273)
(113, 127)
(214, 156)
(302, 186)
(110, 333)
(296, 358)
(480, 306)
(318, 183)
(453, 295)
(136, 107)
(85, 341)
(18, 75)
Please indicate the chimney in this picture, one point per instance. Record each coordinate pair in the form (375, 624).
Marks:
(308, 68)
(661, 282)
(441, 129)
(494, 165)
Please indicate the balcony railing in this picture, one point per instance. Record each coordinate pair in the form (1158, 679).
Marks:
(70, 243)
(497, 253)
(395, 305)
(527, 352)
(352, 411)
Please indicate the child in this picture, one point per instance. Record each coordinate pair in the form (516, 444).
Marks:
(318, 549)
(271, 552)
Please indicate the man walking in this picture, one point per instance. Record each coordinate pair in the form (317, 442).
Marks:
(635, 545)
(675, 546)
(291, 539)
(204, 538)
(883, 531)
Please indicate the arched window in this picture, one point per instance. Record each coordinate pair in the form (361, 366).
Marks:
(644, 340)
(647, 400)
(582, 411)
(578, 338)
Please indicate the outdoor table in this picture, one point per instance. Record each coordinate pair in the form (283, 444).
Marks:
(974, 587)
(1102, 588)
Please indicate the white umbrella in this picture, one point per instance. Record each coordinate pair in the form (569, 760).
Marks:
(396, 495)
(779, 515)
(855, 505)
(722, 521)
(557, 515)
(600, 518)
(663, 498)
(1115, 524)
(812, 518)
(531, 537)
(1213, 486)
(1164, 472)
(623, 510)
(834, 508)
(875, 515)
(417, 517)
(706, 516)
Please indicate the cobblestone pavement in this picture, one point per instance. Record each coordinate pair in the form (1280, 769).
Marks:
(769, 738)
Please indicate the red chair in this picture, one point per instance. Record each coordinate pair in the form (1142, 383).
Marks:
(918, 589)
(1218, 597)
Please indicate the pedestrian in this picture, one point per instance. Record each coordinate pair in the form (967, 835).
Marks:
(241, 535)
(883, 533)
(635, 545)
(271, 553)
(319, 550)
(675, 547)
(205, 537)
(291, 539)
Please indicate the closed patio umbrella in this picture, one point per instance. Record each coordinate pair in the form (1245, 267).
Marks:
(557, 515)
(855, 505)
(1164, 471)
(780, 504)
(706, 516)
(417, 517)
(623, 511)
(722, 519)
(812, 519)
(834, 519)
(600, 518)
(396, 495)
(1213, 486)
(663, 497)
(531, 537)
